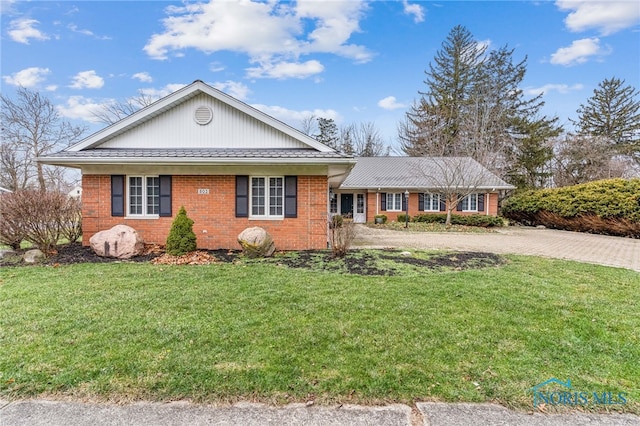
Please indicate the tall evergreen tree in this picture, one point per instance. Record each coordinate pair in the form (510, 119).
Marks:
(531, 154)
(613, 112)
(328, 133)
(474, 107)
(433, 123)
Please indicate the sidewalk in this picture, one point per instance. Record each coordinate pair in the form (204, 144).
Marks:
(50, 413)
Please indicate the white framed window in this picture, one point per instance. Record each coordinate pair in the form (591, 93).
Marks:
(143, 196)
(267, 196)
(470, 203)
(394, 201)
(333, 203)
(431, 202)
(359, 203)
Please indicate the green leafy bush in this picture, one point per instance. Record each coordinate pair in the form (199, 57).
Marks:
(380, 218)
(402, 218)
(456, 219)
(610, 206)
(431, 218)
(336, 221)
(181, 239)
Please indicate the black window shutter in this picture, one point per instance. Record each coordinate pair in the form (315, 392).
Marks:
(459, 206)
(242, 196)
(405, 200)
(165, 195)
(421, 202)
(290, 196)
(480, 202)
(443, 203)
(117, 195)
(383, 201)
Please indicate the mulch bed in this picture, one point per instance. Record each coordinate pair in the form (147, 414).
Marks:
(356, 262)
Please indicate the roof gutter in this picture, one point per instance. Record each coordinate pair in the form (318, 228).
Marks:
(171, 161)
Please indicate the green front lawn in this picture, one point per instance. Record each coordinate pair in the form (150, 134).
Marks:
(263, 331)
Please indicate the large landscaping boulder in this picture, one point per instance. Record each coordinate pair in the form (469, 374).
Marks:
(256, 242)
(33, 256)
(121, 242)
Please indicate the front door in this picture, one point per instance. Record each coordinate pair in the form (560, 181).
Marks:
(360, 214)
(346, 205)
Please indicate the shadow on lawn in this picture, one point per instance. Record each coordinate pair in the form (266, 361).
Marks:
(357, 262)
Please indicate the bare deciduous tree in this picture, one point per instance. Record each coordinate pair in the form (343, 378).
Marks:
(15, 165)
(308, 124)
(342, 232)
(31, 127)
(453, 178)
(367, 141)
(583, 158)
(113, 112)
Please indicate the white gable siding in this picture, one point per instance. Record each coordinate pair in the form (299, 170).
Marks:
(176, 128)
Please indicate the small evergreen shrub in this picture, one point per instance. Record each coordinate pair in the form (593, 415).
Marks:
(610, 206)
(181, 239)
(431, 218)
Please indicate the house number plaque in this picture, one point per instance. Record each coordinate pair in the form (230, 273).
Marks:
(203, 191)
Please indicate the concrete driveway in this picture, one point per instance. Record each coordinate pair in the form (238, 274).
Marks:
(589, 248)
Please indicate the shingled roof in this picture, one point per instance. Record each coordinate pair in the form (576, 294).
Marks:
(419, 173)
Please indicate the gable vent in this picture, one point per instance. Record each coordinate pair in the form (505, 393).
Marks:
(203, 115)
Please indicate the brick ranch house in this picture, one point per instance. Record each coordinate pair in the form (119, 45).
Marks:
(232, 167)
(388, 185)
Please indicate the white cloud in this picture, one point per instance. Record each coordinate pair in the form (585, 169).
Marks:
(414, 9)
(579, 52)
(390, 103)
(233, 88)
(295, 118)
(267, 32)
(87, 80)
(161, 93)
(75, 29)
(81, 108)
(547, 88)
(6, 7)
(216, 67)
(21, 30)
(606, 16)
(28, 77)
(283, 70)
(143, 77)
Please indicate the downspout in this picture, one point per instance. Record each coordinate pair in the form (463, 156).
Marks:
(488, 201)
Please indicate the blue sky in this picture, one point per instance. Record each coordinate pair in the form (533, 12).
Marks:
(349, 60)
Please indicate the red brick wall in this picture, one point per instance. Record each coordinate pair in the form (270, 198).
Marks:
(491, 199)
(215, 224)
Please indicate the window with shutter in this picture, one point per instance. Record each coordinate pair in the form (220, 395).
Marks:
(117, 195)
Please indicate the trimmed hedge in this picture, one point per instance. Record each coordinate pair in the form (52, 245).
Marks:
(456, 219)
(610, 206)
